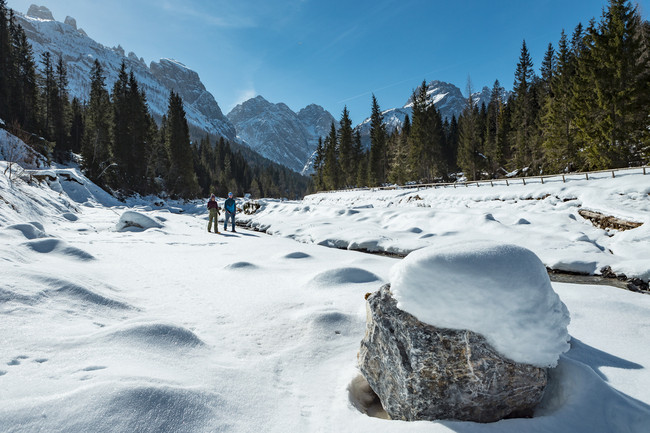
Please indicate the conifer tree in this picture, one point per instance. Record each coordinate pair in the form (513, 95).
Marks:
(181, 179)
(613, 115)
(23, 87)
(76, 125)
(469, 141)
(48, 95)
(558, 130)
(493, 149)
(377, 170)
(319, 160)
(331, 165)
(5, 60)
(347, 157)
(525, 110)
(60, 114)
(96, 144)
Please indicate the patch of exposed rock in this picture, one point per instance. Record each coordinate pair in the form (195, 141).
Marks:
(421, 372)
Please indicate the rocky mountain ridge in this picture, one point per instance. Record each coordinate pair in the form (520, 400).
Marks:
(79, 53)
(279, 133)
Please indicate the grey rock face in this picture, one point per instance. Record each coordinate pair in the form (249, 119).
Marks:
(421, 372)
(278, 133)
(71, 22)
(40, 12)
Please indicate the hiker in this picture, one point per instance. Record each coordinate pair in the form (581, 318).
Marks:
(231, 207)
(213, 208)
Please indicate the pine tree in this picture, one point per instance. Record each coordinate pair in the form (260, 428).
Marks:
(181, 180)
(23, 88)
(331, 165)
(470, 144)
(48, 95)
(377, 170)
(319, 160)
(558, 130)
(5, 60)
(615, 71)
(76, 125)
(96, 144)
(492, 149)
(527, 154)
(347, 157)
(60, 114)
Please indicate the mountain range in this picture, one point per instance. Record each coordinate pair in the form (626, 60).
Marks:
(279, 133)
(272, 130)
(446, 97)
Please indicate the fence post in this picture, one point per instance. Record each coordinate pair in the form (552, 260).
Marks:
(507, 184)
(643, 170)
(542, 178)
(563, 179)
(587, 176)
(613, 174)
(491, 183)
(524, 180)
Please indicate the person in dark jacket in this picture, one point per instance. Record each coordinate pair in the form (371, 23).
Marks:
(213, 208)
(231, 207)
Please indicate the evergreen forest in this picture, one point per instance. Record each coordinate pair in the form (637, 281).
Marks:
(122, 147)
(588, 108)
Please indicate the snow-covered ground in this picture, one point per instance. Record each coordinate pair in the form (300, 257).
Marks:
(174, 329)
(542, 217)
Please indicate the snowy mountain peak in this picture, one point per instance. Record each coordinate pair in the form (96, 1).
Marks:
(278, 133)
(79, 53)
(40, 12)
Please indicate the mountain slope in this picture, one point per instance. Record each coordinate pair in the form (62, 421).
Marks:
(278, 133)
(446, 97)
(79, 52)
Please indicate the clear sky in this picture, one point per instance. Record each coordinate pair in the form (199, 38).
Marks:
(331, 52)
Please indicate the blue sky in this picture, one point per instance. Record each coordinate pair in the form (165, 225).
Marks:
(332, 53)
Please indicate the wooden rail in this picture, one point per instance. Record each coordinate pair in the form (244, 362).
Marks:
(503, 181)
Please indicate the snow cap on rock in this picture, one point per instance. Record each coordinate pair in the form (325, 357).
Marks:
(500, 291)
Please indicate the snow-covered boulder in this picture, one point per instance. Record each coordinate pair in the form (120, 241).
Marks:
(133, 221)
(463, 332)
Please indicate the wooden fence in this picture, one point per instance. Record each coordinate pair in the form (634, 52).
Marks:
(508, 181)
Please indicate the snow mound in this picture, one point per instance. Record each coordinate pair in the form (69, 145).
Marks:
(159, 334)
(500, 291)
(344, 276)
(131, 221)
(30, 230)
(84, 295)
(241, 265)
(297, 255)
(59, 247)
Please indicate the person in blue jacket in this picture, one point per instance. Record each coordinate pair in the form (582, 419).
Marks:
(230, 207)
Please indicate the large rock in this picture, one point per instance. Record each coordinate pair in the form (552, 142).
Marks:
(421, 372)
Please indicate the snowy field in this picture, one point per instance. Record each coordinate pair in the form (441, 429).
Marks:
(174, 329)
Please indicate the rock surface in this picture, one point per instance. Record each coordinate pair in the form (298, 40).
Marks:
(421, 372)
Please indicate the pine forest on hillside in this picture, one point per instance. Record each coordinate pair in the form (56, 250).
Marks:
(121, 146)
(587, 110)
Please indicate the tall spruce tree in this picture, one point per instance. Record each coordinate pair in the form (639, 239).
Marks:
(331, 167)
(76, 125)
(5, 60)
(23, 88)
(61, 114)
(615, 71)
(558, 130)
(493, 148)
(48, 95)
(96, 144)
(470, 146)
(347, 157)
(181, 179)
(377, 168)
(525, 110)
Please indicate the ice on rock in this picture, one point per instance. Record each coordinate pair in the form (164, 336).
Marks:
(500, 291)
